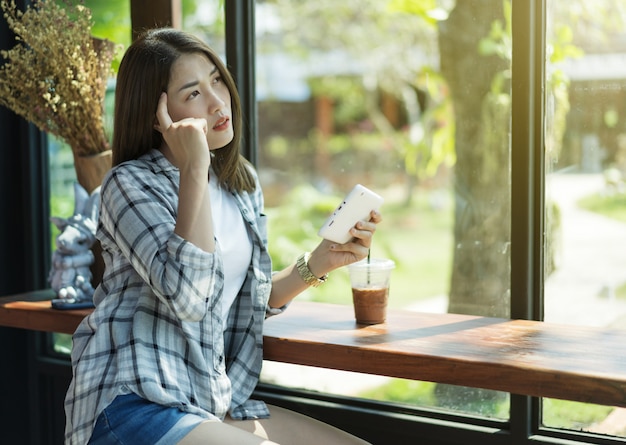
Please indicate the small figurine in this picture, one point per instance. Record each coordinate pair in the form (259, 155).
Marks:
(70, 275)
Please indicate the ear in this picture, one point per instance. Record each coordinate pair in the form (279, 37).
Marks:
(61, 223)
(92, 206)
(80, 199)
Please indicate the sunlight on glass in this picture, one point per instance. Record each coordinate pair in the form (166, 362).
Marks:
(585, 189)
(205, 18)
(111, 21)
(377, 93)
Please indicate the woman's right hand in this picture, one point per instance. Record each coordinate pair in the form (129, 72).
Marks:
(186, 139)
(185, 145)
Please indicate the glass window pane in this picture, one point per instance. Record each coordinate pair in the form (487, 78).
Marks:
(415, 104)
(111, 21)
(205, 18)
(585, 189)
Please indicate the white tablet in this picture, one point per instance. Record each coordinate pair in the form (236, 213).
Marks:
(356, 206)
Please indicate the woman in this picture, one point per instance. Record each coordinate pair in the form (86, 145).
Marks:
(172, 351)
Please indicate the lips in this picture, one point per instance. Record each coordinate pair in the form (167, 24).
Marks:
(222, 124)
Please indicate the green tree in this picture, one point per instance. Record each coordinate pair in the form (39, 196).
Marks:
(481, 266)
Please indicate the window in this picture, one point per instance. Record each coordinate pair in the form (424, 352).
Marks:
(397, 99)
(416, 103)
(585, 189)
(205, 18)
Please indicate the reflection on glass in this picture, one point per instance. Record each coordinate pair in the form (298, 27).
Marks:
(585, 189)
(415, 104)
(205, 18)
(111, 21)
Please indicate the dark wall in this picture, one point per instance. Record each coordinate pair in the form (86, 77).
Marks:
(24, 256)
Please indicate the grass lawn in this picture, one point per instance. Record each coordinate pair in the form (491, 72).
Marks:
(613, 206)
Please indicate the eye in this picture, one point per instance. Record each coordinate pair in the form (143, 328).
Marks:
(193, 94)
(217, 79)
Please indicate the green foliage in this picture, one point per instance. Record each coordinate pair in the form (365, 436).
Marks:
(358, 153)
(62, 206)
(295, 223)
(292, 229)
(436, 147)
(112, 21)
(210, 25)
(428, 10)
(62, 343)
(404, 391)
(418, 393)
(389, 43)
(499, 42)
(562, 47)
(620, 292)
(347, 94)
(572, 415)
(556, 413)
(357, 143)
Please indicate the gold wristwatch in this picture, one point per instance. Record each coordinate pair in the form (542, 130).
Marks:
(305, 273)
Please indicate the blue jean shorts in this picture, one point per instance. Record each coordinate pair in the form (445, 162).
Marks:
(130, 419)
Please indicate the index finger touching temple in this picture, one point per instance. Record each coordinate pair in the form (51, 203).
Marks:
(163, 117)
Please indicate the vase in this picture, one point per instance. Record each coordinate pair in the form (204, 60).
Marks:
(90, 170)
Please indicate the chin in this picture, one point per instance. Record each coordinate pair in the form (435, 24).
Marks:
(220, 142)
(215, 149)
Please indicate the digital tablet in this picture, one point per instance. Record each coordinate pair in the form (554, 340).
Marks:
(356, 206)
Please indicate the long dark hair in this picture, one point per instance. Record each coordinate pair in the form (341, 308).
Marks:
(143, 74)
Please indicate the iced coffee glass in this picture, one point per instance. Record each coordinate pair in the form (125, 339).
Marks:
(370, 289)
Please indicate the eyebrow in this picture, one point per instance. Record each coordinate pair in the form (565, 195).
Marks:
(195, 82)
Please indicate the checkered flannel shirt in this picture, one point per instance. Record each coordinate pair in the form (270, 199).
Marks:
(157, 329)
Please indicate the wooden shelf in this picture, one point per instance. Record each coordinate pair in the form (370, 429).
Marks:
(517, 356)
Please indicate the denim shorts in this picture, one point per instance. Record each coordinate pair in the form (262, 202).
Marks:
(131, 420)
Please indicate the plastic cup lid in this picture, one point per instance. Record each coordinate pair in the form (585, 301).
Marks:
(379, 263)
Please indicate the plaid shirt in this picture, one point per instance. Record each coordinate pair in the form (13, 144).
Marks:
(157, 329)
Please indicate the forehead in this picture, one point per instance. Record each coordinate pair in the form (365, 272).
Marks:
(192, 65)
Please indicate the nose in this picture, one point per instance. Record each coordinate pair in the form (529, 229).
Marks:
(216, 103)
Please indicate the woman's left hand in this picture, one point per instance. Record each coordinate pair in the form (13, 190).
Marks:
(329, 255)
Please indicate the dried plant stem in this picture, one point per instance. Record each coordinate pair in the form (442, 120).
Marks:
(56, 74)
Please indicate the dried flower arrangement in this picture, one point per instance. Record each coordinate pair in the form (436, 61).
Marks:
(56, 75)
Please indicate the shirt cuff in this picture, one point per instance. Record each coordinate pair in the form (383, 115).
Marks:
(271, 311)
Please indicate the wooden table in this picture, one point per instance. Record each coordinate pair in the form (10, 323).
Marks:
(532, 358)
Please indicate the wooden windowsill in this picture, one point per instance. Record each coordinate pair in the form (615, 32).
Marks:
(518, 356)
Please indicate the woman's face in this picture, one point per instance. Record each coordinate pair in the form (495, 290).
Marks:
(196, 90)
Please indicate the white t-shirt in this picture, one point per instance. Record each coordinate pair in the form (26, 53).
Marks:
(233, 239)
